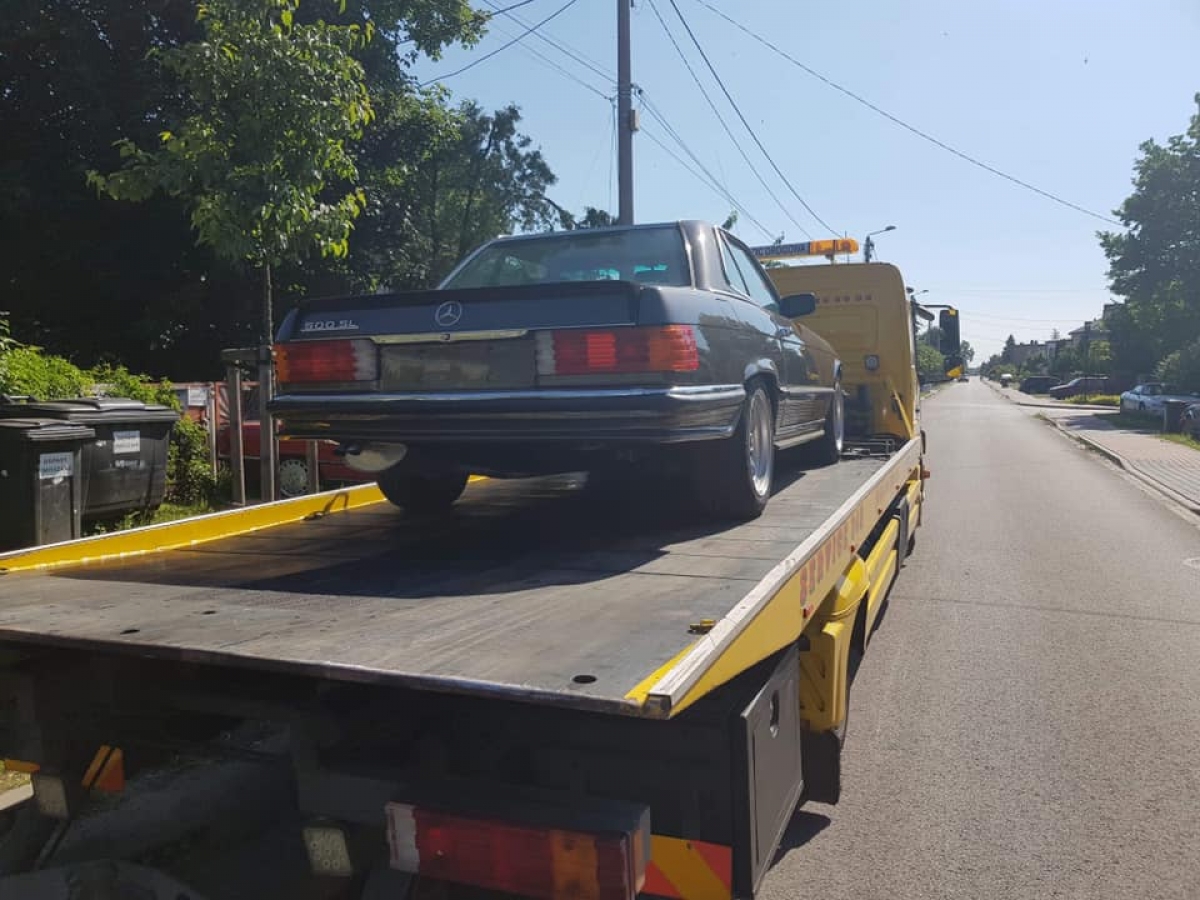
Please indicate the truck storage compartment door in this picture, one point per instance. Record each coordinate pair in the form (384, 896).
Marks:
(766, 755)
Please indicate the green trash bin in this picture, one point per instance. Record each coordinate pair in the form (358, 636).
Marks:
(126, 464)
(42, 481)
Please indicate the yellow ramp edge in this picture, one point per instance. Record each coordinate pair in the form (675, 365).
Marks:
(189, 532)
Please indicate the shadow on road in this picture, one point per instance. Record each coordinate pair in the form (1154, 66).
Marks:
(803, 827)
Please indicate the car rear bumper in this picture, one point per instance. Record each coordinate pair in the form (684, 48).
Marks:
(634, 414)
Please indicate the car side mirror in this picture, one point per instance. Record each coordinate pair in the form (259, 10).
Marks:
(793, 306)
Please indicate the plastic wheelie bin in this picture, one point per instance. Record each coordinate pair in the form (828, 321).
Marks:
(126, 464)
(42, 481)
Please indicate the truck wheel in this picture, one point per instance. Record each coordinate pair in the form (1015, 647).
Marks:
(828, 449)
(735, 474)
(419, 492)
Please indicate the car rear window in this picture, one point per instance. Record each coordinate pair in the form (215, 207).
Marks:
(646, 255)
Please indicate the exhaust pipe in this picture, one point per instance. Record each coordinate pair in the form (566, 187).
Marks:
(372, 458)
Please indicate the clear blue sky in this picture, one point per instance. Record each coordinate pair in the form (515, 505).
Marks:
(1059, 93)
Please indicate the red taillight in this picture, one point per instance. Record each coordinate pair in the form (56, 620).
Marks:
(326, 361)
(616, 351)
(525, 860)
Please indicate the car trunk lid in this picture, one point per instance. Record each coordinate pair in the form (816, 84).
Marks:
(477, 338)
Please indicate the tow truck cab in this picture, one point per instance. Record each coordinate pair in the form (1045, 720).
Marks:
(863, 310)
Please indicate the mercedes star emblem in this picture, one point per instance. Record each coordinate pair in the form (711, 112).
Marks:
(448, 313)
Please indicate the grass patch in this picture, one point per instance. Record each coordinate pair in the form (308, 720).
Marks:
(168, 512)
(1093, 400)
(1147, 424)
(1183, 439)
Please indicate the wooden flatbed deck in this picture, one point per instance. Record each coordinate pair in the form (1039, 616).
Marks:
(534, 590)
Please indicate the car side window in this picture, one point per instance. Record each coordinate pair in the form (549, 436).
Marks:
(759, 288)
(733, 274)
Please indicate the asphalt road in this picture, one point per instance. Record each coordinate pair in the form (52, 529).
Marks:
(1026, 722)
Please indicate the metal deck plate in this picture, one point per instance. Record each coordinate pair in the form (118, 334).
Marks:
(536, 590)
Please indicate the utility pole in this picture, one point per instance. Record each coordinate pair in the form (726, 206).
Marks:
(626, 124)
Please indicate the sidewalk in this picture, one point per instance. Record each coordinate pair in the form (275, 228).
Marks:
(1171, 468)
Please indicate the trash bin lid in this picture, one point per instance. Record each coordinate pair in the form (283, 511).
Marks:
(35, 430)
(92, 410)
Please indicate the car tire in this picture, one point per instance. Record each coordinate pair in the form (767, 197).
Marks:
(293, 478)
(735, 475)
(828, 450)
(421, 492)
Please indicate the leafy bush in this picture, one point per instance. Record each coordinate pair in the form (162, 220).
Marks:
(117, 381)
(28, 371)
(1182, 368)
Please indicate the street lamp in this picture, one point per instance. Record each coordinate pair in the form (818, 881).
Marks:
(869, 245)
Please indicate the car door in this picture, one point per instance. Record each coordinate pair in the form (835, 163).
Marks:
(801, 406)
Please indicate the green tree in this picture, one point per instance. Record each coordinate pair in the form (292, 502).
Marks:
(1182, 367)
(929, 362)
(1155, 263)
(479, 179)
(966, 351)
(1010, 346)
(1067, 361)
(276, 104)
(1036, 364)
(97, 280)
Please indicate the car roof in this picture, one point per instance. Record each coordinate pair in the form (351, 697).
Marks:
(687, 225)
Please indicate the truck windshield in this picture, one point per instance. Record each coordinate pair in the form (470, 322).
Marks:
(647, 255)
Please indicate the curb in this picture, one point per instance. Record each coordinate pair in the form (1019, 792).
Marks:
(1078, 406)
(1128, 467)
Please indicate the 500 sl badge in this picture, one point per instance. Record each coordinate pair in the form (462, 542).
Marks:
(329, 325)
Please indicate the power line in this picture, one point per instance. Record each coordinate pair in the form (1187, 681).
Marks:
(562, 70)
(912, 128)
(717, 188)
(528, 31)
(712, 180)
(737, 109)
(562, 47)
(508, 9)
(716, 112)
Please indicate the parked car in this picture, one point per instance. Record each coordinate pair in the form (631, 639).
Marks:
(570, 351)
(1191, 421)
(293, 455)
(1087, 384)
(1038, 384)
(1005, 380)
(1151, 396)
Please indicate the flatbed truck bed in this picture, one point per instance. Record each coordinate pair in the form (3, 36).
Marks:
(536, 590)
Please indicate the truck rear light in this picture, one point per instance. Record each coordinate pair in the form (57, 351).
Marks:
(616, 351)
(326, 361)
(529, 861)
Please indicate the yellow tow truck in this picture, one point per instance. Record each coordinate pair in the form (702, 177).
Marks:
(528, 697)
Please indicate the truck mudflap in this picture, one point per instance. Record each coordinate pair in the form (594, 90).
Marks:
(96, 880)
